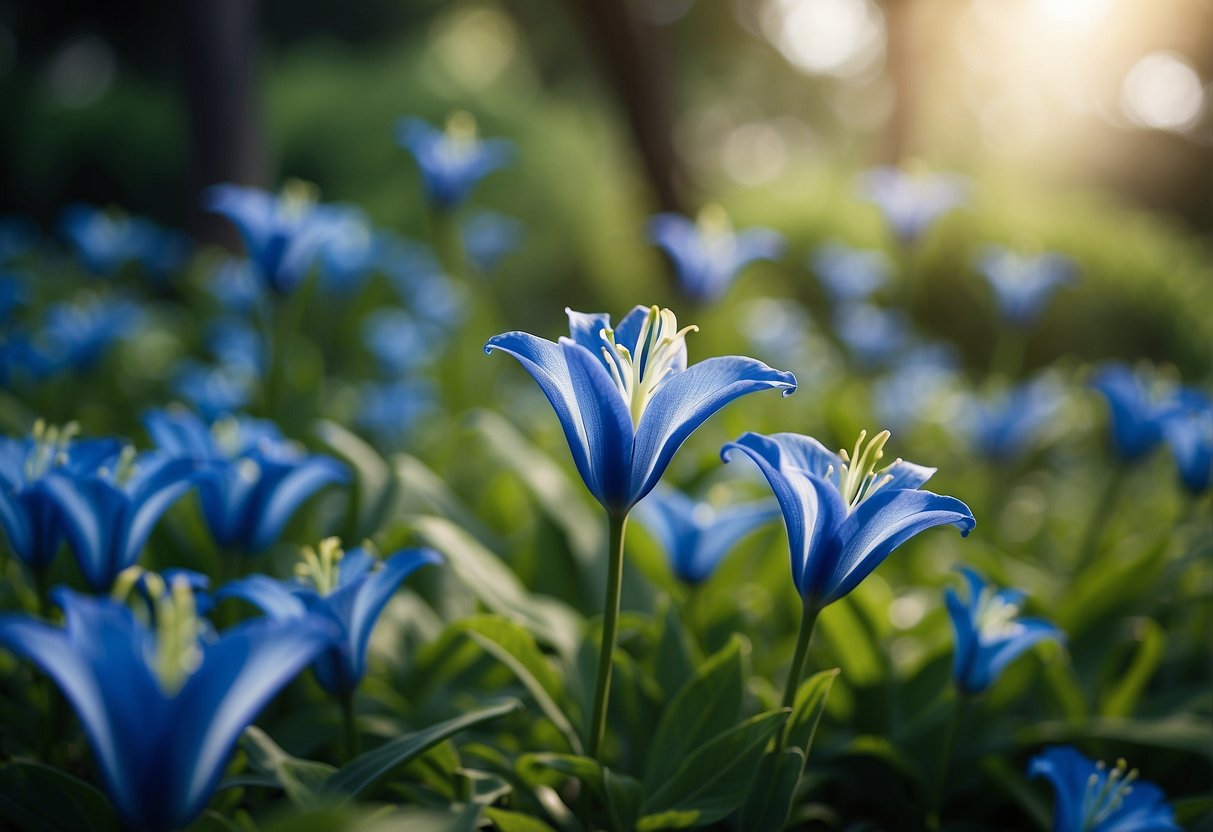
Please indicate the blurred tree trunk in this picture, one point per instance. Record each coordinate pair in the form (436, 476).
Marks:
(900, 62)
(218, 50)
(636, 58)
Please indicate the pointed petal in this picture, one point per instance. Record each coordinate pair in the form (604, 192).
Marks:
(606, 424)
(685, 401)
(907, 475)
(586, 328)
(1068, 771)
(93, 512)
(271, 596)
(354, 564)
(667, 514)
(805, 453)
(373, 596)
(726, 529)
(993, 659)
(304, 479)
(965, 630)
(628, 329)
(883, 522)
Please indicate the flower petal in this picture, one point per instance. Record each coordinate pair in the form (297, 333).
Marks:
(724, 532)
(606, 424)
(289, 492)
(993, 659)
(373, 596)
(270, 596)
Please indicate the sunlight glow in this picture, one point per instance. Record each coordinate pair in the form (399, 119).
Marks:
(826, 37)
(1163, 91)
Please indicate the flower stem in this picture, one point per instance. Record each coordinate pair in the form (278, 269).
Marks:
(807, 620)
(945, 759)
(351, 729)
(616, 525)
(1099, 519)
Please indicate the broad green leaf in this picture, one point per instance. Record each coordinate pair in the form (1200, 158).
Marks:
(809, 705)
(673, 663)
(1098, 593)
(1016, 785)
(301, 779)
(369, 767)
(1123, 697)
(769, 802)
(374, 486)
(624, 798)
(38, 798)
(715, 777)
(622, 795)
(507, 821)
(514, 647)
(499, 589)
(705, 706)
(1181, 732)
(422, 490)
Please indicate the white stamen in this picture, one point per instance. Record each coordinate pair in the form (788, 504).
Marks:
(658, 345)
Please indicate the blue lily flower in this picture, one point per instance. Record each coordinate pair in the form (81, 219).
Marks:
(214, 392)
(850, 275)
(283, 234)
(707, 254)
(350, 589)
(920, 381)
(843, 516)
(1093, 798)
(109, 512)
(235, 285)
(400, 342)
(1189, 432)
(488, 237)
(237, 344)
(390, 410)
(452, 161)
(105, 241)
(77, 335)
(28, 515)
(1137, 414)
(989, 635)
(349, 256)
(162, 708)
(257, 479)
(1023, 283)
(912, 202)
(1001, 427)
(626, 398)
(697, 535)
(874, 336)
(420, 283)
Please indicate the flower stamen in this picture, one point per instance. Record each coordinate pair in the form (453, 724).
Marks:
(321, 566)
(49, 449)
(858, 477)
(658, 346)
(1106, 792)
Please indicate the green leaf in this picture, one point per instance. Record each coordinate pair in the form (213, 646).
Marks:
(714, 778)
(623, 795)
(1122, 699)
(810, 704)
(507, 821)
(374, 486)
(38, 798)
(551, 621)
(673, 663)
(301, 779)
(852, 644)
(705, 706)
(769, 802)
(624, 798)
(369, 767)
(514, 647)
(1181, 732)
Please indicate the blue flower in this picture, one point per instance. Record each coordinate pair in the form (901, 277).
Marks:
(488, 237)
(627, 399)
(920, 382)
(237, 344)
(349, 256)
(1024, 283)
(1137, 413)
(1093, 798)
(399, 341)
(256, 478)
(696, 535)
(162, 708)
(843, 516)
(872, 335)
(707, 254)
(349, 589)
(1002, 426)
(390, 410)
(989, 635)
(77, 335)
(214, 391)
(454, 160)
(108, 512)
(911, 202)
(1188, 429)
(27, 513)
(850, 274)
(283, 234)
(105, 241)
(235, 285)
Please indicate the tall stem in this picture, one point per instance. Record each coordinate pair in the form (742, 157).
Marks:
(807, 620)
(945, 759)
(616, 526)
(1099, 518)
(351, 729)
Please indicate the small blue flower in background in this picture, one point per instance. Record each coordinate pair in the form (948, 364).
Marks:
(1189, 432)
(843, 516)
(18, 235)
(107, 240)
(1003, 426)
(78, 334)
(452, 161)
(28, 515)
(162, 706)
(420, 283)
(707, 254)
(916, 388)
(874, 336)
(488, 237)
(349, 256)
(214, 391)
(1023, 284)
(235, 284)
(697, 535)
(349, 589)
(625, 396)
(390, 410)
(399, 341)
(237, 344)
(911, 202)
(850, 275)
(283, 233)
(108, 512)
(256, 478)
(989, 633)
(1090, 797)
(1136, 411)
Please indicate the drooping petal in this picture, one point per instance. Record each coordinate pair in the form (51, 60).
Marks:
(880, 524)
(94, 514)
(270, 596)
(685, 401)
(805, 453)
(1069, 772)
(964, 628)
(606, 424)
(995, 657)
(374, 593)
(301, 482)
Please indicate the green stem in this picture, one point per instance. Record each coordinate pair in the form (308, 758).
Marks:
(1099, 518)
(807, 620)
(351, 729)
(945, 759)
(616, 526)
